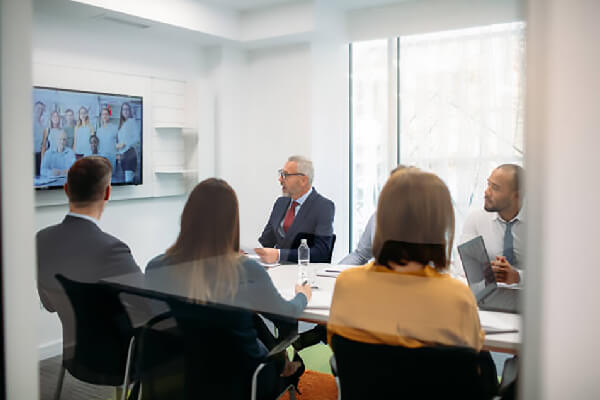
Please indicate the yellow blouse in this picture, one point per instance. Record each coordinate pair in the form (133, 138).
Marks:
(374, 304)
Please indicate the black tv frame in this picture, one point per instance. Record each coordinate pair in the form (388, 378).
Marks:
(141, 98)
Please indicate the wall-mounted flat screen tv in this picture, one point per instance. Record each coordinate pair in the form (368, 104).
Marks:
(71, 124)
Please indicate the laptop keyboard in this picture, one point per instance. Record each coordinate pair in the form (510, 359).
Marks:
(504, 299)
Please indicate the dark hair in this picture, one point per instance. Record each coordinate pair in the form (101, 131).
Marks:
(210, 223)
(94, 137)
(415, 220)
(87, 180)
(518, 174)
(69, 110)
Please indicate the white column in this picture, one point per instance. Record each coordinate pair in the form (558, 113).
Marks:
(18, 247)
(562, 321)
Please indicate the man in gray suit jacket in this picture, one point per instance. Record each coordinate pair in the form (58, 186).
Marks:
(77, 248)
(301, 213)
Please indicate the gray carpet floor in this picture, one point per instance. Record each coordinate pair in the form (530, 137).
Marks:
(72, 388)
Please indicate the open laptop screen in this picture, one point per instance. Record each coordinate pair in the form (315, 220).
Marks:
(477, 265)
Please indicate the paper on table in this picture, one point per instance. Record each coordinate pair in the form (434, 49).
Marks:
(320, 299)
(494, 321)
(333, 270)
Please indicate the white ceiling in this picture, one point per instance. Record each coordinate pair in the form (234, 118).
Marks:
(245, 5)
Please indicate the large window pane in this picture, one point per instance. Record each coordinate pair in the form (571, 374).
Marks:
(371, 116)
(461, 106)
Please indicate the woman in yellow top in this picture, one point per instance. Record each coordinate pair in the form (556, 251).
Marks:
(405, 297)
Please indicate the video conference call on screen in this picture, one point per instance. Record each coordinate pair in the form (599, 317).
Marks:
(69, 125)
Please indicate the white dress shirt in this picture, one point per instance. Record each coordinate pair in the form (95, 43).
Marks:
(54, 159)
(492, 228)
(91, 219)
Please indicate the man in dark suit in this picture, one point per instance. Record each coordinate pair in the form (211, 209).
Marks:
(301, 213)
(77, 248)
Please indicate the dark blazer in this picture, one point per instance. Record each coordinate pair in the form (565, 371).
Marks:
(313, 222)
(78, 249)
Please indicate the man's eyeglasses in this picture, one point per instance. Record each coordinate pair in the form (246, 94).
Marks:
(284, 174)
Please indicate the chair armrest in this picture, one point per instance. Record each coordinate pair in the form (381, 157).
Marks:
(333, 365)
(156, 319)
(281, 346)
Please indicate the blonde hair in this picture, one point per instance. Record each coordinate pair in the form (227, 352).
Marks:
(415, 215)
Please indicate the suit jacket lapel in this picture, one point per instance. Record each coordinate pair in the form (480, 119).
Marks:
(280, 216)
(297, 224)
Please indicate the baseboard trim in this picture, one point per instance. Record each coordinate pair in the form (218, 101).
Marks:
(50, 349)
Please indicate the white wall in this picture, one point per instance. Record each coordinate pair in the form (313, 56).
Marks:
(18, 259)
(562, 322)
(422, 16)
(147, 225)
(262, 117)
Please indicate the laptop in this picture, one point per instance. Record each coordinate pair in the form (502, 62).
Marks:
(482, 280)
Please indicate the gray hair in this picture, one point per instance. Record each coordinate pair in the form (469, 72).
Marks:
(305, 166)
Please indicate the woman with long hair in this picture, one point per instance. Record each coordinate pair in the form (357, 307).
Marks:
(52, 133)
(83, 131)
(206, 257)
(107, 137)
(128, 142)
(406, 297)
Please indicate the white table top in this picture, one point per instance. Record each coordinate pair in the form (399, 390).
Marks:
(285, 277)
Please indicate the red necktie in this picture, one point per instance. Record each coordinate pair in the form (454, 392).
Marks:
(289, 216)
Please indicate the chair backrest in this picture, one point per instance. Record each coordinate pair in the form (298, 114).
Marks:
(98, 331)
(216, 364)
(380, 371)
(332, 246)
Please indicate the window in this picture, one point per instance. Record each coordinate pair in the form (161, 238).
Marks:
(459, 109)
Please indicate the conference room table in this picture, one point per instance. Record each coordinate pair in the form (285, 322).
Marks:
(284, 277)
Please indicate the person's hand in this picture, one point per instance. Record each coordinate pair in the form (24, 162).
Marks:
(55, 172)
(505, 272)
(267, 254)
(305, 290)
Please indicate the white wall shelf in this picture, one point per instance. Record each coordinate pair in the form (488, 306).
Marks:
(169, 125)
(173, 170)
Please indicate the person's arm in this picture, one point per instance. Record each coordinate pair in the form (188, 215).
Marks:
(264, 296)
(322, 238)
(70, 161)
(74, 138)
(505, 272)
(44, 143)
(363, 252)
(46, 167)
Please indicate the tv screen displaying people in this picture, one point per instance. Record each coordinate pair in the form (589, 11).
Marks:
(70, 124)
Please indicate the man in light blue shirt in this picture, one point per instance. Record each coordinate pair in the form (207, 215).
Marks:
(363, 252)
(56, 162)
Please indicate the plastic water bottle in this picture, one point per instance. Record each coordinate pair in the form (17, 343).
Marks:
(303, 261)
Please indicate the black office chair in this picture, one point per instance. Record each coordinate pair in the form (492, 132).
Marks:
(332, 246)
(375, 371)
(98, 338)
(207, 361)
